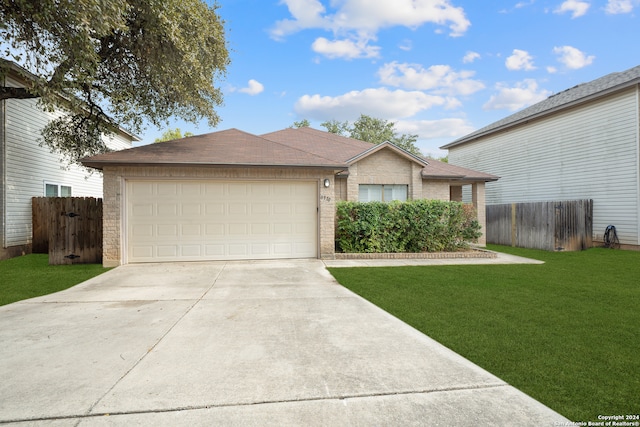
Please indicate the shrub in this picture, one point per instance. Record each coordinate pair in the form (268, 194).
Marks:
(412, 226)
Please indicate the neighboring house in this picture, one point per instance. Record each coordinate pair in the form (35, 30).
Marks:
(28, 170)
(582, 143)
(233, 195)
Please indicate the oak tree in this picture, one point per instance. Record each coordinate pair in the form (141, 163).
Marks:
(375, 131)
(107, 62)
(171, 134)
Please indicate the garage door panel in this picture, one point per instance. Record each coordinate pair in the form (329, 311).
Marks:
(166, 230)
(166, 189)
(190, 189)
(238, 209)
(167, 251)
(238, 250)
(141, 230)
(190, 251)
(260, 229)
(237, 230)
(302, 229)
(191, 230)
(238, 190)
(282, 209)
(259, 249)
(212, 230)
(282, 229)
(202, 220)
(214, 251)
(214, 208)
(282, 248)
(190, 209)
(260, 209)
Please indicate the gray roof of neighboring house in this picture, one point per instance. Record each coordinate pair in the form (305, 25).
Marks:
(578, 94)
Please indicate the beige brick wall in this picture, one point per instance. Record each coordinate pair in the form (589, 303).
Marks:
(114, 180)
(341, 189)
(478, 200)
(384, 167)
(436, 190)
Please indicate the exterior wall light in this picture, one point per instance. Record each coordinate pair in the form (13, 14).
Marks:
(327, 182)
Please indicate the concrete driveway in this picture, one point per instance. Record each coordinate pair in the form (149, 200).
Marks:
(235, 343)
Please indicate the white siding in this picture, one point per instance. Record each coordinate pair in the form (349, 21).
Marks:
(588, 152)
(27, 166)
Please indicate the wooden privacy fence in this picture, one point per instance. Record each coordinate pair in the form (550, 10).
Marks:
(553, 226)
(69, 229)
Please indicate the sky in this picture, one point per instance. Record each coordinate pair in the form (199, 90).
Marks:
(439, 69)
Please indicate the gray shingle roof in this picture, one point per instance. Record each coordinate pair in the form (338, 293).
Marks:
(565, 99)
(229, 148)
(302, 147)
(320, 143)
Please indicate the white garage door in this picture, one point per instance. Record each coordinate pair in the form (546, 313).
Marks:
(220, 220)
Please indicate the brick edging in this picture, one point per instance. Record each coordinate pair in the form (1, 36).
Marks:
(421, 255)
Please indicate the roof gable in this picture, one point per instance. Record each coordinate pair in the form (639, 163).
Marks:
(578, 94)
(387, 145)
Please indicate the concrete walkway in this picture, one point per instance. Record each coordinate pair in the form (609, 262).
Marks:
(235, 343)
(501, 258)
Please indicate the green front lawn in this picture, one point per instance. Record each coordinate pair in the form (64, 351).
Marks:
(31, 276)
(566, 332)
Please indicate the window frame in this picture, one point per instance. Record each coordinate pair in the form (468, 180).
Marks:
(58, 187)
(382, 191)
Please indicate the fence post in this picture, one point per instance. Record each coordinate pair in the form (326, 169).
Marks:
(514, 225)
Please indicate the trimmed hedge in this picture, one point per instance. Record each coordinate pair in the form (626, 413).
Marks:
(412, 226)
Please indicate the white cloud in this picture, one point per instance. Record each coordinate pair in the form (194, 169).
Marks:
(254, 87)
(379, 102)
(470, 56)
(572, 58)
(524, 93)
(615, 7)
(432, 129)
(347, 49)
(520, 60)
(522, 4)
(362, 19)
(441, 79)
(306, 14)
(406, 45)
(576, 7)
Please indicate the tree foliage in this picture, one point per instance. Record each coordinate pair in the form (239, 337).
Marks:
(337, 127)
(375, 131)
(129, 62)
(304, 123)
(171, 134)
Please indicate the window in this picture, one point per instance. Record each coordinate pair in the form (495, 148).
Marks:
(56, 190)
(382, 193)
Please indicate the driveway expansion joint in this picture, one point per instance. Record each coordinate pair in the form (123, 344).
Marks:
(187, 311)
(264, 402)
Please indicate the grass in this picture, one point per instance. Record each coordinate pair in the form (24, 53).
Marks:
(31, 276)
(566, 332)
